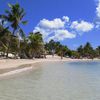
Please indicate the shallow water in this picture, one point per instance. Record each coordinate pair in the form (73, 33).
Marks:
(54, 81)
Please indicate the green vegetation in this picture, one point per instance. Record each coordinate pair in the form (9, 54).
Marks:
(13, 40)
(85, 51)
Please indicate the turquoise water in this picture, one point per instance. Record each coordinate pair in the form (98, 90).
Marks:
(54, 81)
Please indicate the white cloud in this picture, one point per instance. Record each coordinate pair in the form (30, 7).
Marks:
(65, 18)
(82, 26)
(58, 28)
(53, 24)
(44, 32)
(98, 9)
(60, 35)
(97, 26)
(97, 20)
(54, 29)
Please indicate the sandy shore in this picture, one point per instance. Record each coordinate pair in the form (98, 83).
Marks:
(12, 66)
(13, 63)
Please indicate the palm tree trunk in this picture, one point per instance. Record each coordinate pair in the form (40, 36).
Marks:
(61, 55)
(7, 51)
(18, 36)
(19, 52)
(7, 54)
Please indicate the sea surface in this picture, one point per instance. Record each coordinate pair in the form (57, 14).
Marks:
(54, 81)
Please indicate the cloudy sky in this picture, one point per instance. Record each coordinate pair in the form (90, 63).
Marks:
(72, 22)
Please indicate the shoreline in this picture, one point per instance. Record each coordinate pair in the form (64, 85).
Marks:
(15, 66)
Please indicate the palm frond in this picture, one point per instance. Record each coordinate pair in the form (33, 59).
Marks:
(4, 17)
(24, 22)
(10, 5)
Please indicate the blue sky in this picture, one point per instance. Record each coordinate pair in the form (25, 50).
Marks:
(69, 21)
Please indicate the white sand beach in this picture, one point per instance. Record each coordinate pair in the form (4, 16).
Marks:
(17, 64)
(13, 63)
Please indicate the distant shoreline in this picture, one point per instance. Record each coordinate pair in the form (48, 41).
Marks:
(14, 66)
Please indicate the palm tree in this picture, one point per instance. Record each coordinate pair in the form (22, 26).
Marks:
(98, 52)
(14, 16)
(5, 36)
(80, 50)
(88, 50)
(36, 44)
(51, 47)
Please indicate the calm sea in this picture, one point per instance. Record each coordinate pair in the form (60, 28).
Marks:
(54, 81)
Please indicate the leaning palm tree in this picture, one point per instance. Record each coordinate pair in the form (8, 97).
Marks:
(14, 16)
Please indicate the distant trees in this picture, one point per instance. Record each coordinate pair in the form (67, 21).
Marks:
(97, 52)
(51, 47)
(80, 50)
(86, 51)
(56, 48)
